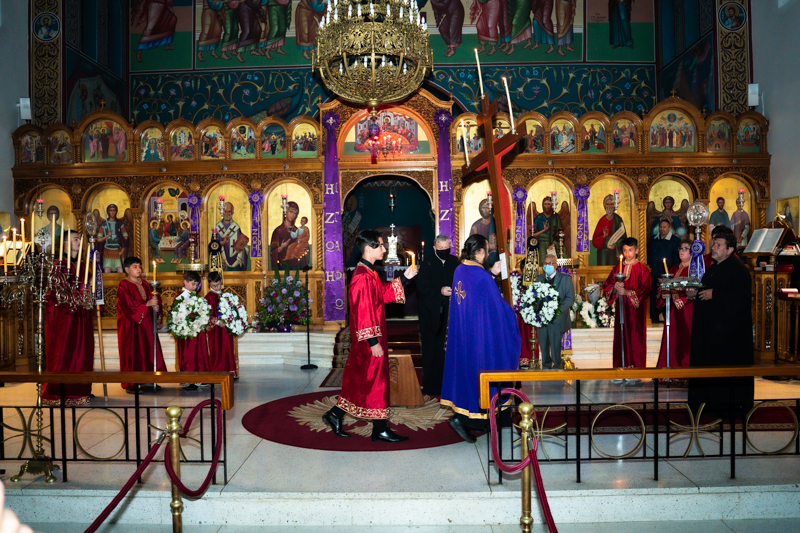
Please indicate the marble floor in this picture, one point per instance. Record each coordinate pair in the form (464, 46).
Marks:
(261, 471)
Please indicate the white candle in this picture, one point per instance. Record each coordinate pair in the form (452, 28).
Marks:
(5, 256)
(154, 271)
(464, 136)
(78, 260)
(33, 235)
(22, 235)
(94, 272)
(53, 236)
(480, 78)
(69, 249)
(510, 110)
(61, 247)
(86, 272)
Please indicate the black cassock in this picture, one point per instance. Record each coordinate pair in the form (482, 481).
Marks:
(722, 335)
(433, 312)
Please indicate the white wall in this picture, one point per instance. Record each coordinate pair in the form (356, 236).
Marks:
(14, 53)
(776, 68)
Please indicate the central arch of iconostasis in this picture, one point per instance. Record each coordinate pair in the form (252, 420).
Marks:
(263, 185)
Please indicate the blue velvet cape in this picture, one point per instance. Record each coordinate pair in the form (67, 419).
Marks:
(482, 335)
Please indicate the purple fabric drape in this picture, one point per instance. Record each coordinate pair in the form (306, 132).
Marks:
(98, 289)
(582, 196)
(194, 218)
(332, 226)
(566, 340)
(697, 267)
(519, 229)
(256, 199)
(443, 119)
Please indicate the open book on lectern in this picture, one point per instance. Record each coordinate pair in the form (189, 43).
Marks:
(768, 241)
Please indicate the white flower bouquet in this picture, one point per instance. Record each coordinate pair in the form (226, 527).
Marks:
(232, 314)
(516, 289)
(188, 316)
(539, 304)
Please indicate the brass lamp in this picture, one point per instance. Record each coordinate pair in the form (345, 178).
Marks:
(372, 53)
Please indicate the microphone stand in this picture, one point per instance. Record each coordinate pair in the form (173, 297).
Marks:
(308, 365)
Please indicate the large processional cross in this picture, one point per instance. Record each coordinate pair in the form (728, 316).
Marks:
(489, 159)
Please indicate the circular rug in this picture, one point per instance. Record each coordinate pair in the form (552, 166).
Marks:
(297, 421)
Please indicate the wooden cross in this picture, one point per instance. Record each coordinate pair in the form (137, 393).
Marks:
(489, 159)
(673, 92)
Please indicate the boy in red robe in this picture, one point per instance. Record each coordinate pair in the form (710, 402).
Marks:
(222, 357)
(135, 305)
(365, 383)
(192, 353)
(636, 291)
(69, 340)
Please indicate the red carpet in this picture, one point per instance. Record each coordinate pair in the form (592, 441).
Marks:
(297, 421)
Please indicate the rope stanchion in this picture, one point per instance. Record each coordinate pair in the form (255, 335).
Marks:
(531, 460)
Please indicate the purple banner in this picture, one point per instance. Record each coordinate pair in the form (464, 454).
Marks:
(519, 229)
(98, 289)
(443, 119)
(582, 230)
(697, 267)
(332, 226)
(256, 199)
(194, 218)
(566, 340)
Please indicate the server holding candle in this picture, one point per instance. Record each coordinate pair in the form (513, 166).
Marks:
(662, 254)
(69, 337)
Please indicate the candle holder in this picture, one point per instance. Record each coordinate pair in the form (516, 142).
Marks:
(620, 276)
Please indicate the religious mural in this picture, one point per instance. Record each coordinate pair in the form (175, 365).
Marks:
(31, 148)
(468, 134)
(732, 16)
(620, 30)
(110, 208)
(691, 76)
(545, 219)
(104, 141)
(735, 198)
(610, 209)
(304, 140)
(394, 128)
(669, 199)
(789, 208)
(56, 204)
(533, 142)
(212, 143)
(167, 239)
(243, 142)
(46, 27)
(672, 131)
(160, 34)
(152, 145)
(289, 237)
(562, 137)
(232, 226)
(624, 137)
(478, 211)
(273, 141)
(182, 144)
(719, 136)
(60, 147)
(92, 90)
(592, 137)
(748, 138)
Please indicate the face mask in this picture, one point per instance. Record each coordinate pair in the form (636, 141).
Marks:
(549, 269)
(442, 254)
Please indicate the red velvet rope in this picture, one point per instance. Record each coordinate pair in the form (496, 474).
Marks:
(531, 460)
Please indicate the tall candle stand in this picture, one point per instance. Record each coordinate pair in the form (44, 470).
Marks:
(620, 277)
(667, 295)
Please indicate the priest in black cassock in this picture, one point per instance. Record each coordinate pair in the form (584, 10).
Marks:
(434, 286)
(722, 332)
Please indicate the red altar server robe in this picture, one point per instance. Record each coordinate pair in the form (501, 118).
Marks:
(680, 329)
(192, 353)
(635, 311)
(135, 330)
(222, 357)
(69, 347)
(365, 382)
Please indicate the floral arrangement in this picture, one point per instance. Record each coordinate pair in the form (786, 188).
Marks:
(680, 283)
(188, 316)
(516, 289)
(592, 293)
(285, 303)
(232, 314)
(539, 304)
(592, 315)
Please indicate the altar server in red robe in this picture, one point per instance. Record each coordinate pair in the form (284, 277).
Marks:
(69, 340)
(636, 290)
(680, 329)
(135, 305)
(365, 383)
(222, 357)
(192, 353)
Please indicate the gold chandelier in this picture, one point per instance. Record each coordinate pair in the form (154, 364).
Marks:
(372, 52)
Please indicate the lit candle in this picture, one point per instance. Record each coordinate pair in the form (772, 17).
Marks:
(69, 249)
(86, 272)
(53, 236)
(78, 260)
(510, 110)
(620, 262)
(22, 235)
(61, 247)
(5, 257)
(466, 146)
(14, 245)
(33, 234)
(666, 270)
(154, 270)
(413, 259)
(480, 77)
(94, 273)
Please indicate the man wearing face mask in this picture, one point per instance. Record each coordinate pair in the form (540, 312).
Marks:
(434, 287)
(550, 335)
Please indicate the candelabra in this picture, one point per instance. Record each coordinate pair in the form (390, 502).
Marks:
(385, 146)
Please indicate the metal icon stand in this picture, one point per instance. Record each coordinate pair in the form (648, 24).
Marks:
(154, 387)
(620, 276)
(668, 317)
(308, 365)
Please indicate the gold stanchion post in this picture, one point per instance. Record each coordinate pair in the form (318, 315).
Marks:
(525, 427)
(176, 505)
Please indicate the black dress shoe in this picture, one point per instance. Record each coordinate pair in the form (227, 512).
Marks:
(387, 435)
(335, 424)
(459, 428)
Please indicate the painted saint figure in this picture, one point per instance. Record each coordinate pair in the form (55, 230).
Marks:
(307, 17)
(720, 216)
(449, 15)
(234, 241)
(110, 234)
(160, 20)
(485, 226)
(619, 27)
(608, 252)
(210, 28)
(740, 224)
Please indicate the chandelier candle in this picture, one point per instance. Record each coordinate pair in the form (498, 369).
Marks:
(78, 261)
(22, 235)
(69, 250)
(510, 109)
(88, 262)
(53, 236)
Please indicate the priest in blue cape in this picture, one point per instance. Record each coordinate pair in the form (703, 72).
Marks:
(482, 335)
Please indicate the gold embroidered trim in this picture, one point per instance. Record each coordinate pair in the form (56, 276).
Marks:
(460, 293)
(362, 412)
(399, 292)
(470, 262)
(459, 410)
(368, 333)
